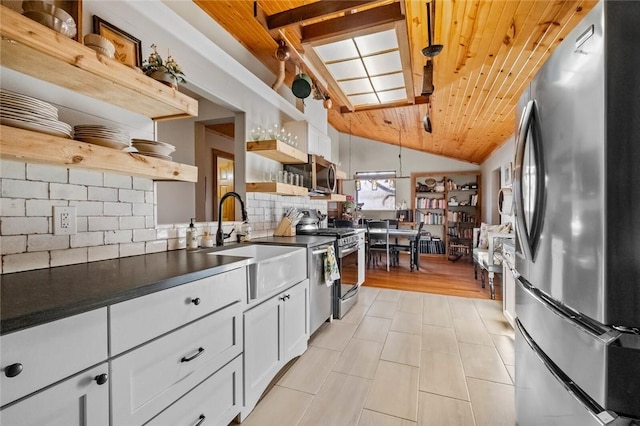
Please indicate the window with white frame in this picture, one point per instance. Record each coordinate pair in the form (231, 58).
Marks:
(376, 190)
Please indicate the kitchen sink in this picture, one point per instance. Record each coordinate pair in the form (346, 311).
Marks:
(272, 267)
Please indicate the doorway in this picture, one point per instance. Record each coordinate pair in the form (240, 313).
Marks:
(224, 166)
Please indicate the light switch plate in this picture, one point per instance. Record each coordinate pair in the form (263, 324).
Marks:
(64, 220)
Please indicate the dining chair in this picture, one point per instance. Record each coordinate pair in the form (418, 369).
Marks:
(413, 248)
(377, 242)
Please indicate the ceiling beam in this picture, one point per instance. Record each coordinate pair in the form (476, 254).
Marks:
(416, 101)
(351, 24)
(312, 11)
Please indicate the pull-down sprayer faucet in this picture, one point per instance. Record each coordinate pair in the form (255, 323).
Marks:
(220, 236)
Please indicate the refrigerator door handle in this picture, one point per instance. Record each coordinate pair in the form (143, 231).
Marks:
(604, 417)
(529, 235)
(598, 331)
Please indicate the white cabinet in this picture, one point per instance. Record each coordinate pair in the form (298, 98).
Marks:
(40, 356)
(81, 400)
(148, 379)
(275, 332)
(311, 139)
(215, 402)
(138, 320)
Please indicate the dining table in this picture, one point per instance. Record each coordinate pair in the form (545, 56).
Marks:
(407, 233)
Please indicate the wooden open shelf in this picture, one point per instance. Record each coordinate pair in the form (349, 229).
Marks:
(276, 188)
(330, 197)
(33, 49)
(34, 147)
(278, 151)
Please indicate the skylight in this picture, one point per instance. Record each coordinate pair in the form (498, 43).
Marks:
(367, 68)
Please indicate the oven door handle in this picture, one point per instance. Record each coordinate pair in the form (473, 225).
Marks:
(320, 251)
(348, 251)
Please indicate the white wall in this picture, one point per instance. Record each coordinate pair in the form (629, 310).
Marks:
(360, 155)
(503, 155)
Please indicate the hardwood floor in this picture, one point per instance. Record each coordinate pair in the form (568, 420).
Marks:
(437, 275)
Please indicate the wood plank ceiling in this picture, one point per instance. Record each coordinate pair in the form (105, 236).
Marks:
(492, 49)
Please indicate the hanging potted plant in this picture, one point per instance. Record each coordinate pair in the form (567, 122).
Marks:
(167, 72)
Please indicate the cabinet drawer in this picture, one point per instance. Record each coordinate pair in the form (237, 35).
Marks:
(215, 402)
(79, 400)
(51, 352)
(153, 376)
(138, 320)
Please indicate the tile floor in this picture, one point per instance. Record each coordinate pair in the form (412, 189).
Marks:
(401, 358)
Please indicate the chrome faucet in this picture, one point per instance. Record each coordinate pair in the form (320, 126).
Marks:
(221, 236)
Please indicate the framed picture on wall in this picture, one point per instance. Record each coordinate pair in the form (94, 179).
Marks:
(128, 48)
(506, 175)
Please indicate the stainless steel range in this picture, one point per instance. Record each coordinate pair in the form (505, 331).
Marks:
(349, 247)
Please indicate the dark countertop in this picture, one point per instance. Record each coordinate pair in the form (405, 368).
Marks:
(36, 297)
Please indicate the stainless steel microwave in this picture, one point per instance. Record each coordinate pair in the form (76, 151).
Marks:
(319, 175)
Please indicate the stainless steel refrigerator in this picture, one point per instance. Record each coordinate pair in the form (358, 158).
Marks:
(577, 204)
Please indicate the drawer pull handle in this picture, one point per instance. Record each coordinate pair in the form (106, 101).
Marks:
(285, 297)
(196, 301)
(101, 379)
(13, 370)
(200, 420)
(191, 358)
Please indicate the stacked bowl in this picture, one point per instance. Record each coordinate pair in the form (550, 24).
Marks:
(100, 44)
(50, 15)
(154, 148)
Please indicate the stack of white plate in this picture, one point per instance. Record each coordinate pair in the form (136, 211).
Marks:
(97, 134)
(29, 113)
(154, 148)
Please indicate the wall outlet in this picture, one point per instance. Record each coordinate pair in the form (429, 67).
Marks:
(64, 220)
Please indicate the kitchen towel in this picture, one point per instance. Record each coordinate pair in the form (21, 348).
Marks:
(331, 272)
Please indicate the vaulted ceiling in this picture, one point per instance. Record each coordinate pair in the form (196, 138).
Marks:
(492, 49)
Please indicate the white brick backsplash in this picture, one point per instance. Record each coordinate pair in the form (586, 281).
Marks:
(86, 177)
(117, 181)
(24, 225)
(12, 169)
(115, 237)
(142, 209)
(88, 208)
(65, 191)
(132, 222)
(162, 233)
(102, 194)
(43, 207)
(117, 209)
(43, 242)
(12, 207)
(103, 252)
(103, 223)
(86, 239)
(131, 196)
(82, 224)
(144, 234)
(24, 261)
(68, 257)
(47, 173)
(149, 197)
(24, 189)
(131, 249)
(13, 244)
(176, 243)
(145, 184)
(150, 221)
(155, 246)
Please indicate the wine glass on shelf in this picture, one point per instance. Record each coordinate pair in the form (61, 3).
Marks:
(273, 131)
(256, 133)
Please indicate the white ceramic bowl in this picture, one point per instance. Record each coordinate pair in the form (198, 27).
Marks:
(96, 40)
(51, 16)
